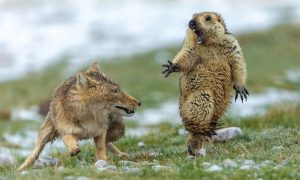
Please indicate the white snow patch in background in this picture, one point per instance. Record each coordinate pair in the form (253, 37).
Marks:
(26, 114)
(35, 34)
(257, 103)
(166, 112)
(293, 76)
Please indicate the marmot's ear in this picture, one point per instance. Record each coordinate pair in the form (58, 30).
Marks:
(93, 68)
(221, 20)
(83, 81)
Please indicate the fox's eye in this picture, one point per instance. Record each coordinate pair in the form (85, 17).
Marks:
(207, 18)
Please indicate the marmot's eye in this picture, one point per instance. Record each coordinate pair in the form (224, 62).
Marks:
(207, 18)
(115, 90)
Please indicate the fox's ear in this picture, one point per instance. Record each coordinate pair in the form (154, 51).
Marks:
(82, 80)
(93, 68)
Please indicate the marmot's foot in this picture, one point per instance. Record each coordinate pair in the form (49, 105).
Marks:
(242, 91)
(169, 68)
(123, 155)
(74, 151)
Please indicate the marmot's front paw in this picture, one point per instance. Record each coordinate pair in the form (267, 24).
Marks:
(169, 68)
(242, 91)
(74, 151)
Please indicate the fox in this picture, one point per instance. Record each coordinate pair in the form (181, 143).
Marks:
(88, 105)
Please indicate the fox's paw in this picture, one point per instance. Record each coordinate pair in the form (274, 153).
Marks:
(74, 151)
(169, 68)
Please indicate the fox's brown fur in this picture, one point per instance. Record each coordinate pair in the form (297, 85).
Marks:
(87, 106)
(210, 64)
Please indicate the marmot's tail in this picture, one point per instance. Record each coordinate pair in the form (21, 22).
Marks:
(47, 133)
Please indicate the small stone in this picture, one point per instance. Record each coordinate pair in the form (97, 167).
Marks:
(229, 163)
(182, 132)
(101, 164)
(130, 169)
(127, 163)
(24, 172)
(245, 167)
(277, 148)
(141, 144)
(107, 168)
(227, 134)
(160, 168)
(214, 168)
(146, 163)
(46, 161)
(206, 164)
(202, 152)
(191, 157)
(248, 162)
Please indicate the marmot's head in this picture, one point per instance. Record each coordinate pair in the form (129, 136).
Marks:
(206, 28)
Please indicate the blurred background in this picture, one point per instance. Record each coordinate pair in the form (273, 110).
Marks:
(45, 42)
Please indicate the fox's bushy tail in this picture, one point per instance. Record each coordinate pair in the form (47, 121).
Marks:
(47, 133)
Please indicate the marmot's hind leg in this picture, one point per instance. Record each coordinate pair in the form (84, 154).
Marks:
(197, 112)
(116, 130)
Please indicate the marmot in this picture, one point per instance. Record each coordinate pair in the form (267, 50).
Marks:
(210, 63)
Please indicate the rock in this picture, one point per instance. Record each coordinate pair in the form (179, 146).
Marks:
(130, 169)
(127, 163)
(160, 168)
(227, 134)
(277, 148)
(229, 163)
(202, 152)
(247, 162)
(182, 132)
(206, 164)
(100, 164)
(45, 161)
(141, 144)
(214, 168)
(24, 172)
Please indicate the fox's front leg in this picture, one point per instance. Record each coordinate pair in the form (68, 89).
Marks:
(100, 146)
(71, 142)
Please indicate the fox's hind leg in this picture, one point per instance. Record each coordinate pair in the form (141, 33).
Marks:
(197, 112)
(47, 134)
(71, 142)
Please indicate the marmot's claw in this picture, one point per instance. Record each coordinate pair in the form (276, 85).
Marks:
(242, 91)
(169, 68)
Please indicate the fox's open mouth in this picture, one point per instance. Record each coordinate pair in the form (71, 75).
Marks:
(199, 33)
(125, 109)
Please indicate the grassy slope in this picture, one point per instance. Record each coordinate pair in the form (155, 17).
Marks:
(269, 55)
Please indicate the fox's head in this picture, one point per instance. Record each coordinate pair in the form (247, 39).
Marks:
(98, 90)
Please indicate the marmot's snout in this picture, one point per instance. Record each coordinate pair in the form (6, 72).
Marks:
(192, 24)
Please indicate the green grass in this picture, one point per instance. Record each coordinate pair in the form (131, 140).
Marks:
(269, 55)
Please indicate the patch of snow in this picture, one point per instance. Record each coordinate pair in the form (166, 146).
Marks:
(182, 132)
(166, 112)
(257, 103)
(226, 134)
(38, 33)
(293, 76)
(206, 164)
(214, 168)
(141, 131)
(277, 148)
(24, 173)
(26, 114)
(131, 169)
(6, 157)
(77, 178)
